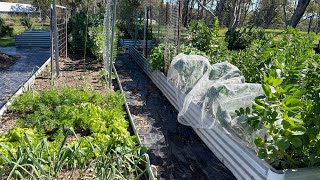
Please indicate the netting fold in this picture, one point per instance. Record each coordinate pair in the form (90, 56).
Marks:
(214, 92)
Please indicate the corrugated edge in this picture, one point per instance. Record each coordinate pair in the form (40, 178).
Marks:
(26, 86)
(150, 173)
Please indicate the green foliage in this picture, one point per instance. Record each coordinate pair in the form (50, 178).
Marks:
(5, 30)
(46, 138)
(206, 39)
(200, 35)
(126, 17)
(95, 36)
(289, 109)
(241, 38)
(37, 161)
(26, 22)
(288, 56)
(77, 31)
(156, 58)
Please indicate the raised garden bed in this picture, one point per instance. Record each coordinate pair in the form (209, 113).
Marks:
(34, 133)
(241, 161)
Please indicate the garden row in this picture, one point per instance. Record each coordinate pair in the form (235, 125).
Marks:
(72, 132)
(288, 69)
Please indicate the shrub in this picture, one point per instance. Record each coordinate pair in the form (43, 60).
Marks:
(241, 38)
(5, 30)
(288, 112)
(26, 22)
(206, 40)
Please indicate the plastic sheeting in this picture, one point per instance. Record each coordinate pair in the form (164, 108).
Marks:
(218, 90)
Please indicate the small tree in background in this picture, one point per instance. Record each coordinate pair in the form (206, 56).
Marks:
(26, 22)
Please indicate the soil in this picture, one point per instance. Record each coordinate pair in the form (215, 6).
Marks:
(6, 60)
(73, 74)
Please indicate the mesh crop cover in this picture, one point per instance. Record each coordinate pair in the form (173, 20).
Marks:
(217, 90)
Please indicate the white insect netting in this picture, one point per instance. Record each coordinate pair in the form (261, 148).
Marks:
(218, 90)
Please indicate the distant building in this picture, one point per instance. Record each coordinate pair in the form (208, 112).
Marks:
(15, 9)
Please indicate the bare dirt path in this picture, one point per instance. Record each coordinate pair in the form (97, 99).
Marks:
(175, 151)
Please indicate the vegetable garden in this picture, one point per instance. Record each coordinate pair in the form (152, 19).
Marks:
(251, 96)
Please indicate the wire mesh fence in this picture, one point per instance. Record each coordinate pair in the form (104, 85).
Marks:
(62, 24)
(58, 34)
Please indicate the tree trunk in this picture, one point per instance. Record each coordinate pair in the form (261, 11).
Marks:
(310, 24)
(298, 13)
(284, 7)
(220, 9)
(203, 8)
(198, 10)
(235, 16)
(246, 8)
(73, 10)
(190, 11)
(269, 16)
(186, 13)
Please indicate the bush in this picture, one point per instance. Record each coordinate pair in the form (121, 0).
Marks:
(26, 22)
(157, 60)
(288, 112)
(5, 30)
(206, 40)
(240, 39)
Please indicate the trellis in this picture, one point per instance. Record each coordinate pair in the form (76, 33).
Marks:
(58, 34)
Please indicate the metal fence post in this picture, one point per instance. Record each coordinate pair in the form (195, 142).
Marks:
(66, 24)
(56, 48)
(145, 28)
(51, 48)
(112, 40)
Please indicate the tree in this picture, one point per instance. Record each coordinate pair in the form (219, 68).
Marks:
(298, 13)
(43, 6)
(267, 13)
(235, 15)
(220, 7)
(311, 13)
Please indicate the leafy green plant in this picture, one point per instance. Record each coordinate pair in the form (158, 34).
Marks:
(241, 38)
(47, 160)
(205, 39)
(73, 130)
(291, 137)
(26, 22)
(288, 112)
(157, 60)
